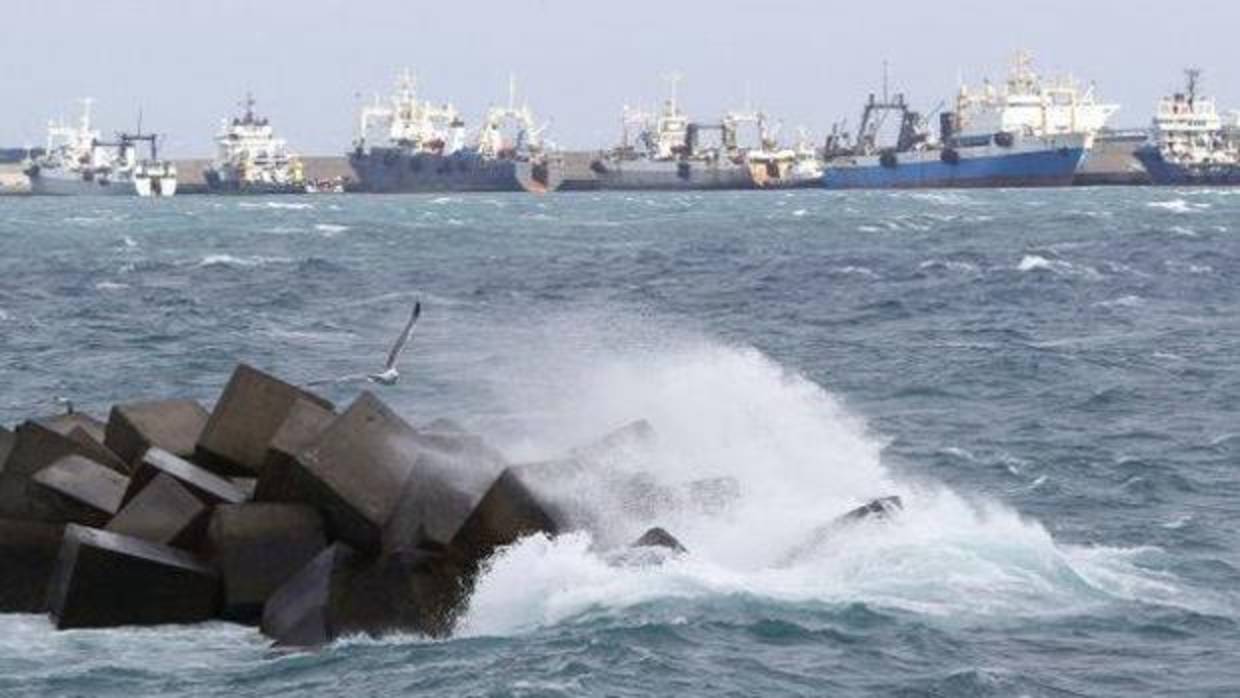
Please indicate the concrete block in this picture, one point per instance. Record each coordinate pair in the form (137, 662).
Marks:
(881, 508)
(659, 538)
(507, 512)
(173, 425)
(104, 579)
(64, 423)
(28, 551)
(413, 591)
(163, 512)
(356, 470)
(6, 444)
(305, 422)
(207, 486)
(257, 547)
(451, 474)
(74, 489)
(303, 611)
(249, 413)
(36, 444)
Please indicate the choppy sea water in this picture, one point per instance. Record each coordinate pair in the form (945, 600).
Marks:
(1049, 379)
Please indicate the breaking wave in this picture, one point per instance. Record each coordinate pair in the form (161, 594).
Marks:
(797, 458)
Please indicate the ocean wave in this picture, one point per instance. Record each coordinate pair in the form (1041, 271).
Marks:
(1178, 206)
(1038, 263)
(227, 260)
(110, 286)
(722, 412)
(330, 228)
(948, 265)
(278, 205)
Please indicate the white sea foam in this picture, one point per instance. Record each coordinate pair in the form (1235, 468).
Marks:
(1178, 206)
(1038, 263)
(110, 286)
(800, 212)
(330, 229)
(798, 458)
(279, 205)
(227, 260)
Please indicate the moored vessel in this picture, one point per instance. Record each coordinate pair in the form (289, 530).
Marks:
(1028, 134)
(250, 159)
(1190, 143)
(426, 150)
(78, 162)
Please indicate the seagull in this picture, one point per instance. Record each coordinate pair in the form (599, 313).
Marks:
(65, 402)
(389, 375)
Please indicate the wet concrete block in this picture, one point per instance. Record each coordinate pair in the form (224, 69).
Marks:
(507, 512)
(249, 413)
(74, 489)
(303, 612)
(207, 486)
(163, 512)
(173, 425)
(105, 579)
(412, 591)
(658, 537)
(95, 450)
(257, 547)
(881, 508)
(305, 422)
(451, 474)
(6, 444)
(355, 472)
(28, 551)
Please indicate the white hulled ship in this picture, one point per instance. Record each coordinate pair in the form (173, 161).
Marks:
(668, 150)
(251, 160)
(1029, 103)
(425, 148)
(77, 161)
(1190, 142)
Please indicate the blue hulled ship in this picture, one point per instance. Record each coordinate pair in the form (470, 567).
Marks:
(1190, 144)
(1030, 133)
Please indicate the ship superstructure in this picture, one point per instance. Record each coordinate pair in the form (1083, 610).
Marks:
(251, 159)
(424, 148)
(1029, 103)
(77, 161)
(1190, 142)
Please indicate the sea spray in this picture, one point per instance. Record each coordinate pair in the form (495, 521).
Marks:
(799, 458)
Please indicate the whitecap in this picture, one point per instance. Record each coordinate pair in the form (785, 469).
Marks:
(800, 212)
(1178, 206)
(227, 260)
(330, 228)
(110, 286)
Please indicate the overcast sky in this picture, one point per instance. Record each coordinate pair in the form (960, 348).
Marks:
(808, 62)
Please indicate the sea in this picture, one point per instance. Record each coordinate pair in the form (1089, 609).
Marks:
(1048, 379)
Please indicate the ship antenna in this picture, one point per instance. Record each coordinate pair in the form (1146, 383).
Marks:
(1194, 75)
(885, 80)
(512, 92)
(673, 80)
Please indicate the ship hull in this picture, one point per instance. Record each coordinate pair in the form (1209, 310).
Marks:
(391, 170)
(1034, 163)
(659, 175)
(45, 185)
(220, 185)
(1172, 174)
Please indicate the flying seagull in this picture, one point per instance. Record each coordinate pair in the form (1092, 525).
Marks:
(389, 375)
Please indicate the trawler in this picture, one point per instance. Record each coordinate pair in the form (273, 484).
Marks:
(670, 152)
(1190, 143)
(426, 148)
(1030, 133)
(251, 160)
(77, 161)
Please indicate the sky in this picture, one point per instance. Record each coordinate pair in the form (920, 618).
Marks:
(186, 65)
